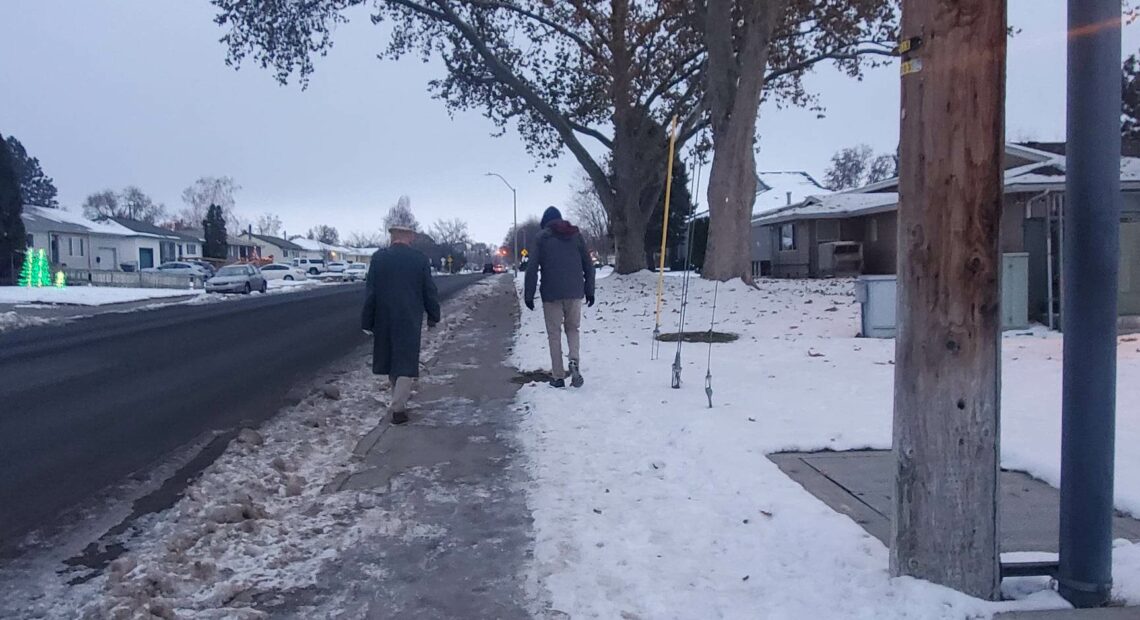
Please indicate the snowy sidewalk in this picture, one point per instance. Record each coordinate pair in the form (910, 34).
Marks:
(450, 480)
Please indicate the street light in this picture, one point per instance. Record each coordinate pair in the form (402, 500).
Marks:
(515, 230)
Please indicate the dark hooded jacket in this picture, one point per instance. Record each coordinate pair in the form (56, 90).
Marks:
(400, 291)
(560, 254)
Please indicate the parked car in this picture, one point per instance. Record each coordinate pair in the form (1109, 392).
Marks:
(356, 271)
(236, 279)
(337, 267)
(489, 268)
(179, 268)
(311, 266)
(282, 271)
(207, 267)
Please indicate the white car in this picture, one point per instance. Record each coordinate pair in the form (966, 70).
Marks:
(311, 266)
(356, 271)
(281, 271)
(179, 268)
(338, 267)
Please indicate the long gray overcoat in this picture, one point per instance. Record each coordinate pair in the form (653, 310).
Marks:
(400, 291)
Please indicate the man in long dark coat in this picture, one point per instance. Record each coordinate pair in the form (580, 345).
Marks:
(400, 291)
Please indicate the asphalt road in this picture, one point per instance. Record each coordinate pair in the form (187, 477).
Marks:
(86, 404)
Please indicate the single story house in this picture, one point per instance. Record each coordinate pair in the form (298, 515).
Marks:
(71, 240)
(1032, 223)
(774, 190)
(273, 248)
(241, 249)
(173, 245)
(310, 248)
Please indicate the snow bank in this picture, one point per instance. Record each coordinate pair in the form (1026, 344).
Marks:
(649, 504)
(86, 295)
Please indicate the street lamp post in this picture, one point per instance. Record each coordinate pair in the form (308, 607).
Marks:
(515, 230)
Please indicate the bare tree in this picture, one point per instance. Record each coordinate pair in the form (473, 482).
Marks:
(588, 212)
(208, 191)
(857, 166)
(325, 234)
(848, 167)
(131, 203)
(268, 224)
(401, 215)
(882, 168)
(367, 239)
(102, 204)
(450, 232)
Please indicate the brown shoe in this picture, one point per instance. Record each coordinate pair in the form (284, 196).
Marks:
(399, 417)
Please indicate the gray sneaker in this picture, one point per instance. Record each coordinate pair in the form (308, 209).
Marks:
(576, 379)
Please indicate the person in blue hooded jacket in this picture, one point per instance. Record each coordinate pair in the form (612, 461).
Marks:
(559, 254)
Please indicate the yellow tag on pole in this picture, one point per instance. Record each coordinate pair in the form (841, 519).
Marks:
(524, 253)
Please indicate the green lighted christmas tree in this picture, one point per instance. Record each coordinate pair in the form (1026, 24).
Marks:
(26, 270)
(36, 270)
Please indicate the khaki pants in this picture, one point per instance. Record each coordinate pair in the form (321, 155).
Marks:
(568, 313)
(401, 391)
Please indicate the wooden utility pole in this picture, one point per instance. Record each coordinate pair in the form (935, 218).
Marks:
(948, 375)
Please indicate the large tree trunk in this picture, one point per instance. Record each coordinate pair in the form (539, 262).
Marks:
(738, 56)
(732, 186)
(638, 166)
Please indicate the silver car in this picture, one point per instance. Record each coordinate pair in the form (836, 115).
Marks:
(236, 279)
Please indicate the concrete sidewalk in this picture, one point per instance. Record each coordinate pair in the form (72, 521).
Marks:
(451, 479)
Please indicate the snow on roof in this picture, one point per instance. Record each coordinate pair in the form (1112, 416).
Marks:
(776, 188)
(773, 190)
(832, 206)
(310, 245)
(42, 219)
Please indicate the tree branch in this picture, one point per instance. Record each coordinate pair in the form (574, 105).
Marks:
(524, 91)
(834, 55)
(562, 30)
(593, 133)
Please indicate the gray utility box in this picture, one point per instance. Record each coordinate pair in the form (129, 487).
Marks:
(878, 296)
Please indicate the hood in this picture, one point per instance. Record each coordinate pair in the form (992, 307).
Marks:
(548, 216)
(227, 279)
(562, 228)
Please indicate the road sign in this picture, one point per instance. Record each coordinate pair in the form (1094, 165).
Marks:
(524, 253)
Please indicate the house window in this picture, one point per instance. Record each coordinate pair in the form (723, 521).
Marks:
(70, 247)
(873, 230)
(31, 240)
(787, 237)
(81, 247)
(827, 230)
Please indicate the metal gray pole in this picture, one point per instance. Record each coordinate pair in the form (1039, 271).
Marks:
(1091, 261)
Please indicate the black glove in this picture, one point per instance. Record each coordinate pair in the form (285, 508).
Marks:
(529, 304)
(589, 301)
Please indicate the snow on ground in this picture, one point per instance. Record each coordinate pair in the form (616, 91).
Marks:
(86, 295)
(256, 523)
(649, 504)
(14, 320)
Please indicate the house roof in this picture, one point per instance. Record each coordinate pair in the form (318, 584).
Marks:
(832, 206)
(778, 189)
(43, 219)
(1047, 174)
(309, 245)
(144, 228)
(284, 244)
(238, 241)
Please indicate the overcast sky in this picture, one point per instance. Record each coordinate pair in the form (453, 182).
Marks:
(109, 93)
